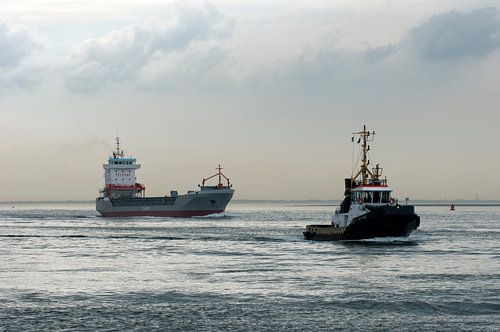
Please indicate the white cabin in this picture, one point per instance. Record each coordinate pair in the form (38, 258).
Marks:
(120, 171)
(119, 176)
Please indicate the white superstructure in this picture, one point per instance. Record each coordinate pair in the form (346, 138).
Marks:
(119, 175)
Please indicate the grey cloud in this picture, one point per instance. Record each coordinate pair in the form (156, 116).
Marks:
(379, 53)
(320, 65)
(17, 47)
(120, 55)
(22, 77)
(328, 64)
(16, 43)
(411, 62)
(454, 35)
(192, 68)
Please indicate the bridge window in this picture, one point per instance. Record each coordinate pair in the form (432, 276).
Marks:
(376, 197)
(385, 197)
(367, 196)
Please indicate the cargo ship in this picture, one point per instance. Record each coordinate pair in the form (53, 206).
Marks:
(368, 210)
(122, 196)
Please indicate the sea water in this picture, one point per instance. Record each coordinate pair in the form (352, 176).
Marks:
(65, 268)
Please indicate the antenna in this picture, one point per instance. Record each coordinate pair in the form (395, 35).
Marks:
(118, 152)
(117, 145)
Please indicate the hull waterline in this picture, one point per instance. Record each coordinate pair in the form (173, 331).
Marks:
(175, 214)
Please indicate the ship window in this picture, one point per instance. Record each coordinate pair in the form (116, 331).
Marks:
(376, 197)
(385, 197)
(212, 201)
(367, 197)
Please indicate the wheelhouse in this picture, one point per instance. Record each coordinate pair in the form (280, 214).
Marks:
(371, 195)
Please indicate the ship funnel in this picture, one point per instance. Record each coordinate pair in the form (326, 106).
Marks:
(348, 186)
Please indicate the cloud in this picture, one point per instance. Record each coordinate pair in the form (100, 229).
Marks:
(378, 53)
(120, 56)
(431, 55)
(22, 77)
(190, 46)
(454, 35)
(194, 67)
(16, 43)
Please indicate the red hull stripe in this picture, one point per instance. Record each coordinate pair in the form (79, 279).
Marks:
(184, 214)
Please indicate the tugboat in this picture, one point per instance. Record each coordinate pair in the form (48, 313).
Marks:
(122, 196)
(368, 210)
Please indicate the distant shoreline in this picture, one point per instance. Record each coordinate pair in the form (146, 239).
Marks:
(306, 202)
(418, 204)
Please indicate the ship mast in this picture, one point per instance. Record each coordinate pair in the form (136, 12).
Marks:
(118, 152)
(220, 175)
(365, 136)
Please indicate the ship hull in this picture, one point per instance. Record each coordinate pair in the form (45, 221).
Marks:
(387, 221)
(174, 214)
(200, 203)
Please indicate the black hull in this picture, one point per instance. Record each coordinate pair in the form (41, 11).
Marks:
(386, 221)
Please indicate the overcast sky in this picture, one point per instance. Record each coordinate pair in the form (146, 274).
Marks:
(270, 89)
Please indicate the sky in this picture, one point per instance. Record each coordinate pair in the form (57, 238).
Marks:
(271, 90)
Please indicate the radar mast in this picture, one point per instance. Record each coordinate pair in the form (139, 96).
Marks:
(365, 136)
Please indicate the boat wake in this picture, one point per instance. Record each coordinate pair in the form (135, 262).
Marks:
(384, 241)
(217, 216)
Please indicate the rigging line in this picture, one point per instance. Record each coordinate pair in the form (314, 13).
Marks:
(352, 158)
(357, 163)
(369, 155)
